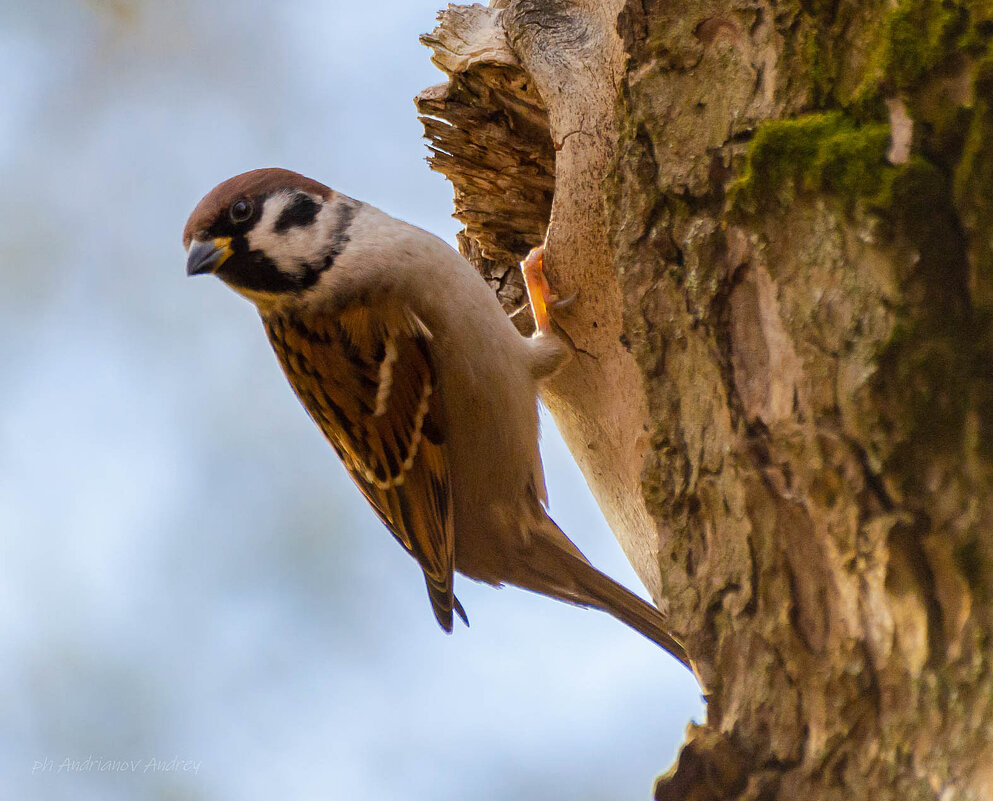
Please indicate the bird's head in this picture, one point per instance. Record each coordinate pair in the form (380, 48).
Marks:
(267, 233)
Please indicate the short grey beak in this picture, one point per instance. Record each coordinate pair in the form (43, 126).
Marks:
(206, 257)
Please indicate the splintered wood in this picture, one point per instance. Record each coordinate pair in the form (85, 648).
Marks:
(489, 135)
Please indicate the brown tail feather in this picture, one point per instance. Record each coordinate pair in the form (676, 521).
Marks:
(443, 604)
(608, 596)
(560, 570)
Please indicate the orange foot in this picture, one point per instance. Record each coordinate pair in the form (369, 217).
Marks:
(539, 293)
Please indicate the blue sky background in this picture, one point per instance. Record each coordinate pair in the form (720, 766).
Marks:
(185, 570)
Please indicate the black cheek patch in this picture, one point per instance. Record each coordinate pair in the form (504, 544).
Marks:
(301, 212)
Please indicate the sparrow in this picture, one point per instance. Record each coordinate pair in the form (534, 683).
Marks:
(404, 358)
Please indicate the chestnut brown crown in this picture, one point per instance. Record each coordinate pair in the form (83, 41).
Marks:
(255, 185)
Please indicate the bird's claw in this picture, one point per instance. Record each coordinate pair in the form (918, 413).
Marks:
(559, 303)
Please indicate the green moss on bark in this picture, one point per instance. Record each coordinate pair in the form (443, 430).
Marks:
(817, 152)
(920, 35)
(973, 184)
(935, 369)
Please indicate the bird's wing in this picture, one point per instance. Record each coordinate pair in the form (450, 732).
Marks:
(368, 380)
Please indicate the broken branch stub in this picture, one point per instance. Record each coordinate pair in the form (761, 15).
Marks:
(489, 135)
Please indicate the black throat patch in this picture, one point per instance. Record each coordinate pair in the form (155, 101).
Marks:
(252, 269)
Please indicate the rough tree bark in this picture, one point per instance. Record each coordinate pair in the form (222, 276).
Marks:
(778, 217)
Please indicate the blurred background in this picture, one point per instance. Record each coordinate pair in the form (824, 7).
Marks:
(186, 573)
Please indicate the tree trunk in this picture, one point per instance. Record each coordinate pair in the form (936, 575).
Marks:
(778, 218)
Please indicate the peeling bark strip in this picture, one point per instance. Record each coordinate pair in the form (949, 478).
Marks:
(778, 220)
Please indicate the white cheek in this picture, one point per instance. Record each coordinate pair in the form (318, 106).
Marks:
(298, 246)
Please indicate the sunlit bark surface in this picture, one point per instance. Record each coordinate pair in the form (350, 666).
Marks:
(778, 220)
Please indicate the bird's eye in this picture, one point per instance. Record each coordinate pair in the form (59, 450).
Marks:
(240, 210)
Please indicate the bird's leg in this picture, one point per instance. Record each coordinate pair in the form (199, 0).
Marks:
(552, 345)
(539, 293)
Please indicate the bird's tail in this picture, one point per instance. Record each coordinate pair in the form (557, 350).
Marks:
(608, 596)
(563, 572)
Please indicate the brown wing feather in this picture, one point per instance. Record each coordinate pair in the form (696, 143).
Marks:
(369, 382)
